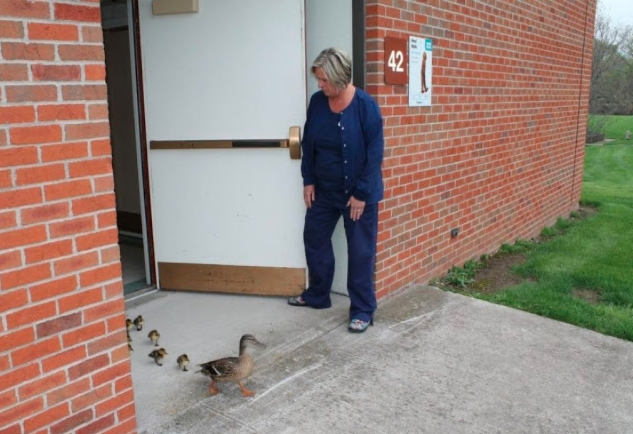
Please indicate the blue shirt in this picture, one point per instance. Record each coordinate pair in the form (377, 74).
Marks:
(361, 140)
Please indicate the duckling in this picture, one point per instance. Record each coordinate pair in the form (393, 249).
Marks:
(154, 336)
(183, 361)
(232, 368)
(129, 324)
(138, 322)
(129, 347)
(158, 355)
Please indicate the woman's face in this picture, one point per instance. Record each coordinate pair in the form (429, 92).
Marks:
(324, 84)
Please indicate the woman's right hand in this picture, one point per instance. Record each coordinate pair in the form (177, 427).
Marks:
(308, 195)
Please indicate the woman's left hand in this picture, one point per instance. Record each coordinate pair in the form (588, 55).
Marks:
(356, 208)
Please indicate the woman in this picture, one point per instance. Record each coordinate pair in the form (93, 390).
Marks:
(343, 148)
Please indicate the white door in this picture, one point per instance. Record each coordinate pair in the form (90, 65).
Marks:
(226, 219)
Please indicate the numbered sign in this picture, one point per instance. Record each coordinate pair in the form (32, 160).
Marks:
(396, 61)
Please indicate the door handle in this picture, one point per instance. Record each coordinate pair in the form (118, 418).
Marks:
(293, 143)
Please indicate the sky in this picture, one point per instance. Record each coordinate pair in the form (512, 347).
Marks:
(620, 11)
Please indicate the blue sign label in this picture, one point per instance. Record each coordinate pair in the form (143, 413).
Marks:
(428, 45)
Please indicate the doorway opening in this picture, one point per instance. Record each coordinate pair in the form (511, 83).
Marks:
(130, 180)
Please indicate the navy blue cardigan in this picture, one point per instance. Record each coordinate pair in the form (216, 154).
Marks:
(363, 144)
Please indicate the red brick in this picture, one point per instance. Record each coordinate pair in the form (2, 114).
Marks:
(93, 204)
(65, 358)
(95, 166)
(24, 409)
(20, 375)
(100, 275)
(13, 429)
(114, 403)
(61, 112)
(58, 325)
(25, 51)
(53, 288)
(81, 52)
(25, 275)
(16, 115)
(8, 399)
(35, 351)
(101, 147)
(56, 72)
(107, 343)
(113, 290)
(72, 227)
(68, 424)
(19, 198)
(87, 130)
(123, 383)
(97, 426)
(42, 385)
(44, 213)
(31, 315)
(110, 254)
(11, 259)
(18, 156)
(119, 353)
(64, 190)
(68, 391)
(106, 219)
(46, 418)
(5, 179)
(97, 394)
(83, 334)
(88, 366)
(25, 9)
(47, 251)
(31, 93)
(16, 339)
(53, 32)
(68, 12)
(7, 219)
(79, 300)
(127, 412)
(11, 29)
(22, 237)
(10, 300)
(111, 373)
(107, 309)
(97, 239)
(35, 135)
(92, 33)
(13, 72)
(75, 263)
(123, 427)
(95, 72)
(87, 92)
(65, 151)
(97, 112)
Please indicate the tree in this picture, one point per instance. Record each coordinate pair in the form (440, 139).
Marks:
(611, 71)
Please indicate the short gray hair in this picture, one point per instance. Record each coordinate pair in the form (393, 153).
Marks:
(336, 65)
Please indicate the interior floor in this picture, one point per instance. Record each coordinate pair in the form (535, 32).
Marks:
(132, 263)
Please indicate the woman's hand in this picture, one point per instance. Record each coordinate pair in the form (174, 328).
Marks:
(356, 208)
(308, 195)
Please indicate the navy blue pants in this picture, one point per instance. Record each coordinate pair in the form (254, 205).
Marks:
(320, 222)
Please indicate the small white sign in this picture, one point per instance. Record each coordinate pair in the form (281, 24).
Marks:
(420, 71)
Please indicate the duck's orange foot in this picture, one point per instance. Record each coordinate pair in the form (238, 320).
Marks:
(213, 390)
(245, 392)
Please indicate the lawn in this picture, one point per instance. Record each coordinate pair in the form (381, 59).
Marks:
(581, 270)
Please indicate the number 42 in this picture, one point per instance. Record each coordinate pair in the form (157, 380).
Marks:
(395, 61)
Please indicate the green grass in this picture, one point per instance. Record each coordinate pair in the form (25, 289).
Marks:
(582, 273)
(616, 127)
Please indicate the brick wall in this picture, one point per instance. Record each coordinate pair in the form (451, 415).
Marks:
(64, 364)
(500, 153)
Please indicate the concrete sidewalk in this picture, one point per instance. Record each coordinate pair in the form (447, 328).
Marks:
(435, 362)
